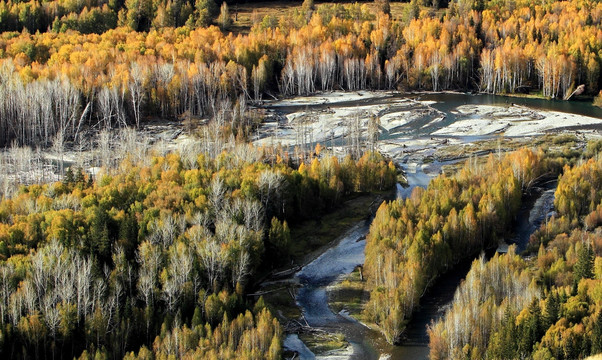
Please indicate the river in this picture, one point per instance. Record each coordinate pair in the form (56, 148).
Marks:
(348, 252)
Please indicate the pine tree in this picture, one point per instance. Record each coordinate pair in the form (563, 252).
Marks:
(530, 329)
(197, 318)
(552, 309)
(205, 11)
(100, 244)
(597, 334)
(508, 335)
(69, 178)
(585, 263)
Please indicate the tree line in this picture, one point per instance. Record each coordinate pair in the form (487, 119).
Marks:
(123, 75)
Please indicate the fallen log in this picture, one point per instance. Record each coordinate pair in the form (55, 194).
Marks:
(260, 293)
(286, 272)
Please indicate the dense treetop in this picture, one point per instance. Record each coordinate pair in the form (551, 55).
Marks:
(547, 306)
(155, 255)
(155, 58)
(414, 240)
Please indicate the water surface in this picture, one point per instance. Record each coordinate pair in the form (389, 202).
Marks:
(349, 249)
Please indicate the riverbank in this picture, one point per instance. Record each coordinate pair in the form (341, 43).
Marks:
(310, 240)
(416, 126)
(425, 134)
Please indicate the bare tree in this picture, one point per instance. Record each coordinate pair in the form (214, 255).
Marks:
(138, 77)
(240, 268)
(83, 284)
(176, 274)
(269, 184)
(213, 260)
(373, 131)
(354, 135)
(103, 149)
(217, 191)
(253, 215)
(148, 257)
(58, 147)
(6, 288)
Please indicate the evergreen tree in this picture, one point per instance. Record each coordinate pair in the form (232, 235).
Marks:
(508, 336)
(205, 11)
(552, 309)
(530, 329)
(100, 244)
(585, 263)
(69, 178)
(597, 334)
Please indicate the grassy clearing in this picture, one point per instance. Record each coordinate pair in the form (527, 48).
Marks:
(477, 148)
(561, 144)
(312, 235)
(308, 240)
(280, 298)
(323, 342)
(349, 295)
(243, 17)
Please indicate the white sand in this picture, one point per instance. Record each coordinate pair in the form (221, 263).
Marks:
(330, 98)
(514, 121)
(332, 123)
(474, 127)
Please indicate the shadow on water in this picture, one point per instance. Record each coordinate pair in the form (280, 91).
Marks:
(536, 208)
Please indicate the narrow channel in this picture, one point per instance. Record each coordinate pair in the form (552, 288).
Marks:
(349, 249)
(349, 252)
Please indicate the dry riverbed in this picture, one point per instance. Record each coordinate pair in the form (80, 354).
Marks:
(410, 129)
(513, 121)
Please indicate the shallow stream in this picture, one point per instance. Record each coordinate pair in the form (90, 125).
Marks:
(348, 252)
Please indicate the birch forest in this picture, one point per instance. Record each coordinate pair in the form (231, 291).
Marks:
(114, 64)
(155, 257)
(546, 306)
(154, 249)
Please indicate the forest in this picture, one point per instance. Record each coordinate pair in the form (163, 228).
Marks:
(120, 63)
(543, 306)
(154, 253)
(414, 240)
(154, 257)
